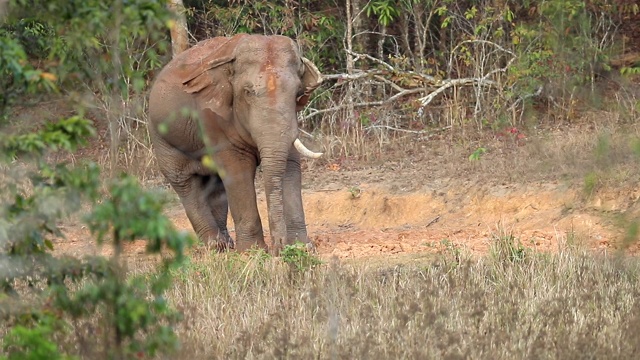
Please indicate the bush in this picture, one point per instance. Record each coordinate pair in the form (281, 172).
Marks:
(42, 293)
(299, 257)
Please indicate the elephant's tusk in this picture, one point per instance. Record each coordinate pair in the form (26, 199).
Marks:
(304, 151)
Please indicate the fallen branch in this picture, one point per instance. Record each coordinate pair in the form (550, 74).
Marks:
(370, 103)
(422, 83)
(387, 127)
(417, 132)
(358, 75)
(455, 82)
(483, 81)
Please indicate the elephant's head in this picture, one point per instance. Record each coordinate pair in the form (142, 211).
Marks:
(257, 83)
(262, 80)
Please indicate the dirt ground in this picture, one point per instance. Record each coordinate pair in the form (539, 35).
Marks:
(417, 208)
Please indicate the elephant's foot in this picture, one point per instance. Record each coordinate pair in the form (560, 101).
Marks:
(300, 237)
(222, 242)
(309, 247)
(275, 248)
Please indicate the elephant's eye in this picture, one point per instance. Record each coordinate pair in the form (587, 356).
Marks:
(249, 91)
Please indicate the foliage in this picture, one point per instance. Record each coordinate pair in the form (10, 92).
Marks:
(47, 297)
(34, 342)
(507, 249)
(65, 134)
(44, 292)
(98, 54)
(566, 47)
(17, 76)
(355, 192)
(299, 257)
(315, 25)
(383, 9)
(477, 154)
(95, 41)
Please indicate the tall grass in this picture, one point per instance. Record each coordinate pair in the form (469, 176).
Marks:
(570, 304)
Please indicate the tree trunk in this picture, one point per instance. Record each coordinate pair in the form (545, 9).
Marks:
(381, 39)
(357, 18)
(179, 32)
(4, 8)
(349, 37)
(350, 63)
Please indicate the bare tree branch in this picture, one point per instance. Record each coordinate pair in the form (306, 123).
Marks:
(419, 83)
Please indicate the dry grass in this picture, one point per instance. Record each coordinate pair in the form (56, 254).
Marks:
(566, 305)
(593, 141)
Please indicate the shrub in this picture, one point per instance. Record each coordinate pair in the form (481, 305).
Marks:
(42, 293)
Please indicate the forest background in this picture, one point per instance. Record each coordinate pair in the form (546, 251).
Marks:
(484, 77)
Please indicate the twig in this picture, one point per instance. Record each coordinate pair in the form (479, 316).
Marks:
(387, 127)
(339, 107)
(359, 56)
(513, 55)
(305, 133)
(435, 220)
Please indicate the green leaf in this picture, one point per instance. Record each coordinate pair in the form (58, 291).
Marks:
(477, 154)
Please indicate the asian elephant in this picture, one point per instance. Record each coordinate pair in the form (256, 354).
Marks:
(216, 112)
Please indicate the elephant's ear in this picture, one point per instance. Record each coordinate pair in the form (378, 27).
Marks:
(311, 79)
(206, 56)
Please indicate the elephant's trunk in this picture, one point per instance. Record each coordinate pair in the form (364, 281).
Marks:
(273, 167)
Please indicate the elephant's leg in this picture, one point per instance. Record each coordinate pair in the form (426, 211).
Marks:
(219, 205)
(184, 176)
(196, 201)
(293, 209)
(238, 179)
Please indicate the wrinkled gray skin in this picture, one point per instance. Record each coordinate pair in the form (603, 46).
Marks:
(238, 95)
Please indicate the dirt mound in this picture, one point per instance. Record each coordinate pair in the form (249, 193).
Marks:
(373, 221)
(411, 207)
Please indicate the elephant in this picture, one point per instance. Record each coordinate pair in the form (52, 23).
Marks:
(219, 110)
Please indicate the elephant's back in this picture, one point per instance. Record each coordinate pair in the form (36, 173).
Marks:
(185, 62)
(193, 58)
(197, 54)
(168, 85)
